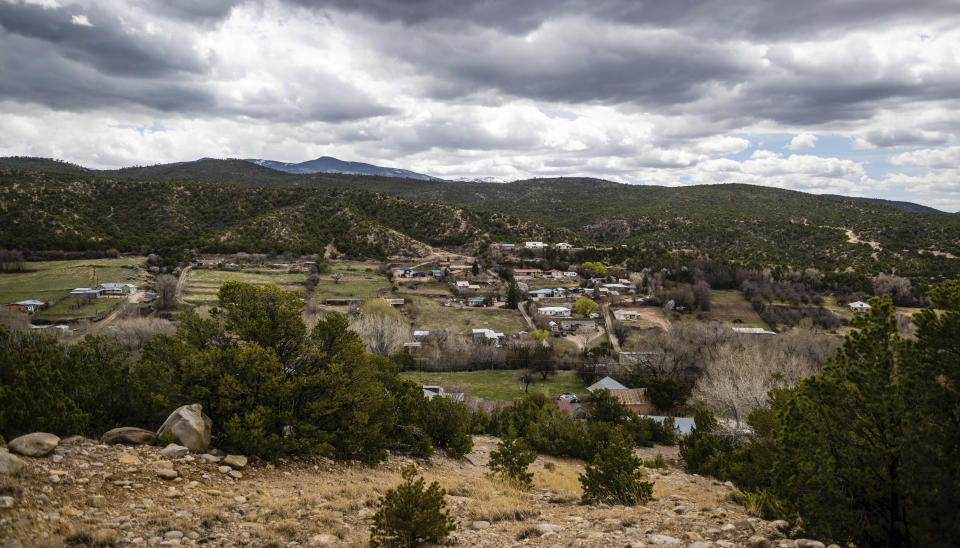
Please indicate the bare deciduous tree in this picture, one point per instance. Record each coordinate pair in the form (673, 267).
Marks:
(737, 380)
(381, 327)
(336, 277)
(165, 286)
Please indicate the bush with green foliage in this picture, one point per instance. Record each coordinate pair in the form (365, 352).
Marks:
(511, 460)
(616, 475)
(409, 515)
(46, 386)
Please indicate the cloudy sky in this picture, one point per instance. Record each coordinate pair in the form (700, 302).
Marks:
(857, 97)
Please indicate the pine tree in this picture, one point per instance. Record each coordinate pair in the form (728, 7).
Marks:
(409, 515)
(616, 476)
(511, 460)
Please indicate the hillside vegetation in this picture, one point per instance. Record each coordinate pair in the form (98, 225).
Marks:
(42, 211)
(752, 226)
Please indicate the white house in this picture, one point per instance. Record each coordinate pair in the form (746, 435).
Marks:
(507, 246)
(487, 334)
(570, 274)
(859, 306)
(420, 334)
(85, 292)
(628, 315)
(534, 245)
(556, 311)
(31, 305)
(753, 331)
(563, 245)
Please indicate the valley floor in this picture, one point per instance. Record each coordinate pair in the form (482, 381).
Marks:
(86, 494)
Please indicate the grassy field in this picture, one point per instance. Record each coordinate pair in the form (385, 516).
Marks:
(547, 283)
(728, 305)
(500, 385)
(430, 315)
(50, 281)
(202, 284)
(77, 309)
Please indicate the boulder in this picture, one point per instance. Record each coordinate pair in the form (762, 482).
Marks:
(10, 464)
(235, 461)
(38, 444)
(190, 426)
(167, 473)
(129, 435)
(174, 451)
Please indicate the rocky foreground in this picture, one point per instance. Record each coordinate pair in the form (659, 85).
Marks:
(79, 492)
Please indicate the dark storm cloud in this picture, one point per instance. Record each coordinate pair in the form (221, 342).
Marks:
(888, 138)
(770, 19)
(108, 45)
(110, 63)
(44, 75)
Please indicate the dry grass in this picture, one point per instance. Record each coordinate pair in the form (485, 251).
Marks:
(559, 477)
(493, 500)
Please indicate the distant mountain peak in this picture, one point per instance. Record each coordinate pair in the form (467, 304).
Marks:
(329, 164)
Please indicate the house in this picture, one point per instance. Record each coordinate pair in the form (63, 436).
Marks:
(420, 335)
(859, 306)
(607, 383)
(634, 399)
(396, 302)
(616, 286)
(403, 272)
(508, 246)
(117, 289)
(684, 425)
(487, 334)
(570, 274)
(555, 311)
(563, 245)
(476, 301)
(411, 346)
(537, 293)
(437, 273)
(555, 274)
(753, 331)
(535, 245)
(577, 325)
(531, 272)
(575, 410)
(462, 284)
(29, 306)
(85, 292)
(626, 315)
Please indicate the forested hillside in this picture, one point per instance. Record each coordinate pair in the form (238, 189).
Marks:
(272, 211)
(43, 211)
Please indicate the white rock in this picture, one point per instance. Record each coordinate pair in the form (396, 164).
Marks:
(173, 534)
(548, 528)
(235, 461)
(323, 540)
(224, 469)
(663, 539)
(37, 444)
(207, 457)
(167, 473)
(129, 435)
(190, 426)
(11, 464)
(174, 451)
(480, 525)
(6, 502)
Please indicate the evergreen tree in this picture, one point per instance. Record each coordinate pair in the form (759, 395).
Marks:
(409, 515)
(616, 476)
(513, 294)
(511, 460)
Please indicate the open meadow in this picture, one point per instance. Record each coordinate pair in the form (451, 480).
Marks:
(500, 384)
(202, 284)
(50, 281)
(428, 314)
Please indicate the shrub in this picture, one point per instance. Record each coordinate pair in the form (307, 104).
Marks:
(511, 459)
(409, 515)
(616, 476)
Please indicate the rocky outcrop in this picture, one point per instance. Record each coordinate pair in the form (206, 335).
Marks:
(129, 435)
(190, 426)
(10, 465)
(37, 444)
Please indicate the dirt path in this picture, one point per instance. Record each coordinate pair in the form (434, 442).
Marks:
(608, 322)
(181, 281)
(104, 323)
(526, 317)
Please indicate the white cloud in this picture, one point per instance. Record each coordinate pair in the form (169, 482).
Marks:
(803, 141)
(81, 20)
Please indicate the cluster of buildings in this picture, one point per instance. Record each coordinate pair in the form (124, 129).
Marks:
(32, 306)
(534, 245)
